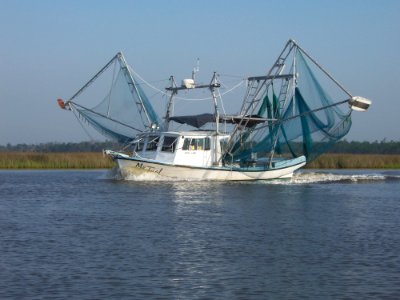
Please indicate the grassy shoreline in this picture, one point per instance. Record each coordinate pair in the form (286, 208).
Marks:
(96, 160)
(38, 160)
(356, 161)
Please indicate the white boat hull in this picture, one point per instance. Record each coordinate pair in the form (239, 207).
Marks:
(137, 169)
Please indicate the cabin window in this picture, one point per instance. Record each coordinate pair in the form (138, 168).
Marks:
(169, 144)
(186, 144)
(152, 143)
(207, 144)
(196, 144)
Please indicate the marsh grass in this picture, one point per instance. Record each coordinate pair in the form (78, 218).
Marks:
(33, 160)
(356, 161)
(96, 160)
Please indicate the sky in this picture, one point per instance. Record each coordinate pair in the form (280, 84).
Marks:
(50, 48)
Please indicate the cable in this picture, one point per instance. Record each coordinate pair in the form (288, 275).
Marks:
(182, 98)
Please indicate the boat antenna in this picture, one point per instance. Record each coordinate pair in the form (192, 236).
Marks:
(196, 69)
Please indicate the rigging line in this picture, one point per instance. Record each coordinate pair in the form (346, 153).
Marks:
(146, 82)
(153, 95)
(95, 76)
(101, 115)
(222, 102)
(225, 86)
(326, 72)
(302, 115)
(222, 105)
(154, 81)
(182, 98)
(209, 98)
(234, 76)
(232, 81)
(164, 93)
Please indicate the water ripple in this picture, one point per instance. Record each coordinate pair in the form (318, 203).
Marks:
(82, 235)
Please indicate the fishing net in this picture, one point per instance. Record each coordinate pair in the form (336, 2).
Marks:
(123, 112)
(297, 109)
(303, 118)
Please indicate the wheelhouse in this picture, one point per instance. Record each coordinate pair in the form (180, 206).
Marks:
(194, 148)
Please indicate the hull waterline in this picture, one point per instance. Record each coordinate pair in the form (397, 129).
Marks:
(131, 168)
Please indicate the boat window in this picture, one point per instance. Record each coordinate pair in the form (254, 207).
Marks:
(207, 144)
(169, 144)
(186, 144)
(196, 144)
(152, 143)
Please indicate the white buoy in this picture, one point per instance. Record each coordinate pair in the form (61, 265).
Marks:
(359, 103)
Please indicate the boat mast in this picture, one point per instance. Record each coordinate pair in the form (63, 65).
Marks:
(174, 91)
(257, 87)
(213, 85)
(282, 103)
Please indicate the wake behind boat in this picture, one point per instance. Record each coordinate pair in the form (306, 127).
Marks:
(287, 118)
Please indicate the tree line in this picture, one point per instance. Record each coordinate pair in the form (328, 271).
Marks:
(382, 147)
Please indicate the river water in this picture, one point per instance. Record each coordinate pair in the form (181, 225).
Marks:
(86, 235)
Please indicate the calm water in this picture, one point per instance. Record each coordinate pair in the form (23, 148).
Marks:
(82, 235)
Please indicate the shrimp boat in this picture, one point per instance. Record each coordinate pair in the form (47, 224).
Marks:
(288, 117)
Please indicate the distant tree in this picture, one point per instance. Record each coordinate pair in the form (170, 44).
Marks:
(383, 147)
